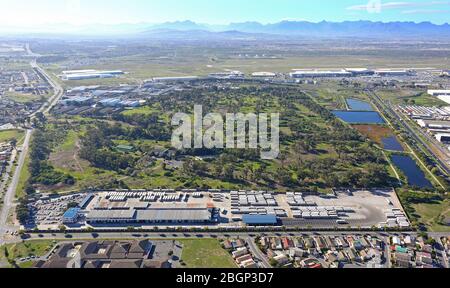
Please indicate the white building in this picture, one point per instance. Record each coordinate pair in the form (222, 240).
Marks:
(320, 73)
(175, 79)
(392, 72)
(227, 75)
(360, 71)
(443, 137)
(439, 92)
(264, 74)
(89, 74)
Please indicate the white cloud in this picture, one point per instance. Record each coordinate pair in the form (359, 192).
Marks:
(394, 5)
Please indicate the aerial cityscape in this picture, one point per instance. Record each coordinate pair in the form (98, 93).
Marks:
(262, 140)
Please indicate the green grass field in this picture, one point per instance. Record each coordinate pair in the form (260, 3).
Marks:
(24, 249)
(205, 253)
(24, 176)
(433, 214)
(8, 135)
(22, 98)
(410, 96)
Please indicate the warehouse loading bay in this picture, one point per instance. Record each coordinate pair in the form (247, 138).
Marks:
(233, 209)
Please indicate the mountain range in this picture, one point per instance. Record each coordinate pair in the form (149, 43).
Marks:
(362, 29)
(324, 28)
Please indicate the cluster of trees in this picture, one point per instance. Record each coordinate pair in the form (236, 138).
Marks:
(144, 126)
(40, 169)
(97, 148)
(358, 163)
(347, 160)
(22, 210)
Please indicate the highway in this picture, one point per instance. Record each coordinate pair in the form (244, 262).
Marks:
(9, 197)
(408, 128)
(444, 167)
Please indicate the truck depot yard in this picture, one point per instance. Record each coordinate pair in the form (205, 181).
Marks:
(232, 209)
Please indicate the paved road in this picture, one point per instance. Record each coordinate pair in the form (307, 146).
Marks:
(58, 92)
(162, 235)
(8, 201)
(258, 253)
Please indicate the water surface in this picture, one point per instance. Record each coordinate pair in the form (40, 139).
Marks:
(359, 117)
(359, 105)
(392, 143)
(416, 177)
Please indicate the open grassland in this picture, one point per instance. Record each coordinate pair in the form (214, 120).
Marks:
(410, 97)
(8, 135)
(141, 67)
(24, 176)
(332, 95)
(23, 98)
(433, 215)
(205, 253)
(427, 210)
(158, 58)
(38, 248)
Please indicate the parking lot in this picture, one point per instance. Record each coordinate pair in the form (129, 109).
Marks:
(379, 208)
(48, 212)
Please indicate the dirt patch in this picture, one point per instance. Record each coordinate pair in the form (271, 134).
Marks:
(66, 160)
(375, 133)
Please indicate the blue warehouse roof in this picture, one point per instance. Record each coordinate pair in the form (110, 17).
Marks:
(260, 219)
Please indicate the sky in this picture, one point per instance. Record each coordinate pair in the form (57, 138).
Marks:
(83, 12)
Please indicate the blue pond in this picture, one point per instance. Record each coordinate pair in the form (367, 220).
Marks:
(359, 105)
(359, 117)
(415, 175)
(391, 143)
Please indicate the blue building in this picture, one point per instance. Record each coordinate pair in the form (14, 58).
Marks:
(71, 216)
(260, 220)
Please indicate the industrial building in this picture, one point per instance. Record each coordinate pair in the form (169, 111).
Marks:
(432, 124)
(318, 73)
(227, 75)
(71, 216)
(439, 92)
(443, 137)
(260, 220)
(424, 113)
(78, 100)
(392, 72)
(174, 79)
(150, 216)
(360, 71)
(89, 74)
(264, 74)
(110, 102)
